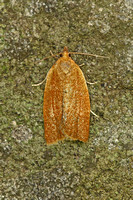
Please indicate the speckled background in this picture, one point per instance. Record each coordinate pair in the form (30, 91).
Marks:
(100, 169)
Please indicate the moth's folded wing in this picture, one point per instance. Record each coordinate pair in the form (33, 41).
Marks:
(77, 107)
(52, 109)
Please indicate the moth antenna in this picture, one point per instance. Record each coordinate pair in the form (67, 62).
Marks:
(53, 55)
(88, 54)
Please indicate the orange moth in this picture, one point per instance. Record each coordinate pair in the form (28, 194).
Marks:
(66, 106)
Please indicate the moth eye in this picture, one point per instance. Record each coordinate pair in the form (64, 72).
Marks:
(60, 55)
(69, 55)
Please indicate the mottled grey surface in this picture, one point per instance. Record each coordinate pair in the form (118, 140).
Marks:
(99, 169)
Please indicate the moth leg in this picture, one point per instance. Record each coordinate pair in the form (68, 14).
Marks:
(81, 65)
(94, 114)
(91, 83)
(34, 85)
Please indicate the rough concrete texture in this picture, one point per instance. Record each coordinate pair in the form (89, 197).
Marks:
(100, 168)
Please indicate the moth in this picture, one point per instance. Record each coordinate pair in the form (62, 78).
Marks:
(66, 107)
